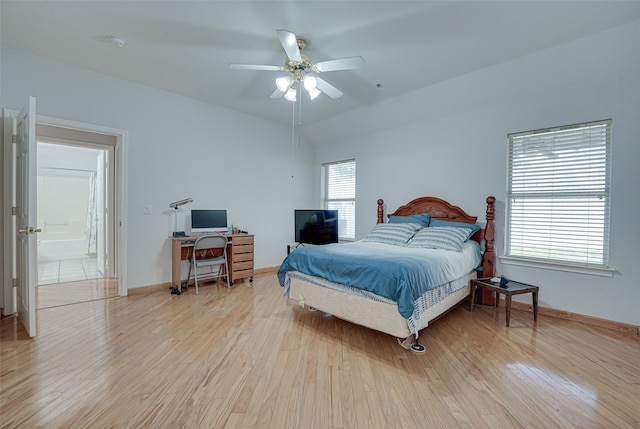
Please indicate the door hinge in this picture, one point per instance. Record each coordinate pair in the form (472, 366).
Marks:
(14, 138)
(14, 210)
(14, 282)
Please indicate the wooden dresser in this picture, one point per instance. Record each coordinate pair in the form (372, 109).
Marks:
(240, 255)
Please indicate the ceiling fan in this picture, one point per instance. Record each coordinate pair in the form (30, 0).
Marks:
(304, 72)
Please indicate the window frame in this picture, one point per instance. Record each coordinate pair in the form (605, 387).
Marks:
(326, 200)
(557, 193)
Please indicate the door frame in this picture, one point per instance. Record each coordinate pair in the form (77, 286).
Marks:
(8, 300)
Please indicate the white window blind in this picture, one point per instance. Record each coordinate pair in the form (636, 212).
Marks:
(340, 194)
(558, 194)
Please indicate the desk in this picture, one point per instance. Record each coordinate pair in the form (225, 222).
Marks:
(239, 256)
(512, 288)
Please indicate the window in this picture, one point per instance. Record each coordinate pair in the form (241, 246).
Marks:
(558, 194)
(339, 193)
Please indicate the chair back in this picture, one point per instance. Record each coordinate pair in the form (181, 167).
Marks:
(210, 241)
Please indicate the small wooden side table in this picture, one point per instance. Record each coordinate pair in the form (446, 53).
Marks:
(510, 289)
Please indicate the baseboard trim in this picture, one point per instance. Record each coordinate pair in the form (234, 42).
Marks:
(165, 286)
(267, 270)
(522, 306)
(580, 318)
(149, 289)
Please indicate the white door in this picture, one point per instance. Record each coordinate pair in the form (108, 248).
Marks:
(26, 241)
(101, 237)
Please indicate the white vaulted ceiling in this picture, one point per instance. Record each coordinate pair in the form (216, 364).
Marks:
(186, 46)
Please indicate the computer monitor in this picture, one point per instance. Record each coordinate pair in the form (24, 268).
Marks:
(208, 220)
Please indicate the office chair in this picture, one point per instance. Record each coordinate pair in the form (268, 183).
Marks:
(209, 250)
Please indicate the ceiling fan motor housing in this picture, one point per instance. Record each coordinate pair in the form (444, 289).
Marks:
(300, 68)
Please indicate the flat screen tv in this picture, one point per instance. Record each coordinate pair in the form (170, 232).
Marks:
(208, 220)
(316, 226)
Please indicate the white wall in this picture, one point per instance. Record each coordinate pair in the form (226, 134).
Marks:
(456, 149)
(178, 148)
(63, 200)
(63, 190)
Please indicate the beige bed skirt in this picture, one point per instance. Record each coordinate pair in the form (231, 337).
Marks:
(381, 316)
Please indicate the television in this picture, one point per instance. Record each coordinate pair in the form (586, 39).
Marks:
(316, 226)
(208, 220)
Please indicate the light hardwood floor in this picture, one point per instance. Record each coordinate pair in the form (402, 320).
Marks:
(57, 294)
(246, 358)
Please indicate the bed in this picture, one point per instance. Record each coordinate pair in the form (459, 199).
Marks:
(365, 303)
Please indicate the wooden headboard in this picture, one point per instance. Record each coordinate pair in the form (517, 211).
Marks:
(440, 209)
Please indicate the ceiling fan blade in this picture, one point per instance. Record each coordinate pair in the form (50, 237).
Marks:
(277, 94)
(341, 64)
(328, 89)
(290, 44)
(255, 67)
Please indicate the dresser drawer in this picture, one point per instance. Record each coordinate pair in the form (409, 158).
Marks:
(240, 266)
(243, 257)
(240, 240)
(242, 248)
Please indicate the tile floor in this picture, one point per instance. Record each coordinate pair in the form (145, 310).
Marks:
(61, 261)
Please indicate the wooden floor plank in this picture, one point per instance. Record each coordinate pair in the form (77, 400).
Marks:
(246, 358)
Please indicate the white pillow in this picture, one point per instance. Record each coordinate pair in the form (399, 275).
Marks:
(440, 237)
(396, 234)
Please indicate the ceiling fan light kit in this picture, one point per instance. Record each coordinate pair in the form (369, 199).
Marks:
(291, 94)
(314, 93)
(300, 68)
(283, 83)
(310, 83)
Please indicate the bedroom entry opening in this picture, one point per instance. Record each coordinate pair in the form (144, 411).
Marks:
(75, 173)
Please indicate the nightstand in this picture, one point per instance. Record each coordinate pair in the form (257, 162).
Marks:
(510, 289)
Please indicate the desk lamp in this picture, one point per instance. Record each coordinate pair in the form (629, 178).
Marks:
(175, 206)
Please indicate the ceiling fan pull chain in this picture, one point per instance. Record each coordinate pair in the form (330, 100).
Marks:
(293, 137)
(300, 111)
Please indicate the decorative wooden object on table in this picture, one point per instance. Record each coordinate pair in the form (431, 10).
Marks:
(510, 288)
(239, 255)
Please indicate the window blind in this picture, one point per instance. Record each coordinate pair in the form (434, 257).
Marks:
(558, 194)
(340, 194)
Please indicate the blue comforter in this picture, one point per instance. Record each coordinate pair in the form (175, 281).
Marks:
(399, 273)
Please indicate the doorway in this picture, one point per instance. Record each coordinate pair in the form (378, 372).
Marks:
(19, 195)
(75, 198)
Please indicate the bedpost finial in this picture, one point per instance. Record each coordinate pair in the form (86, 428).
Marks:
(380, 211)
(491, 199)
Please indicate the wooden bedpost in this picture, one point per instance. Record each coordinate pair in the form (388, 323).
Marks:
(380, 211)
(489, 259)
